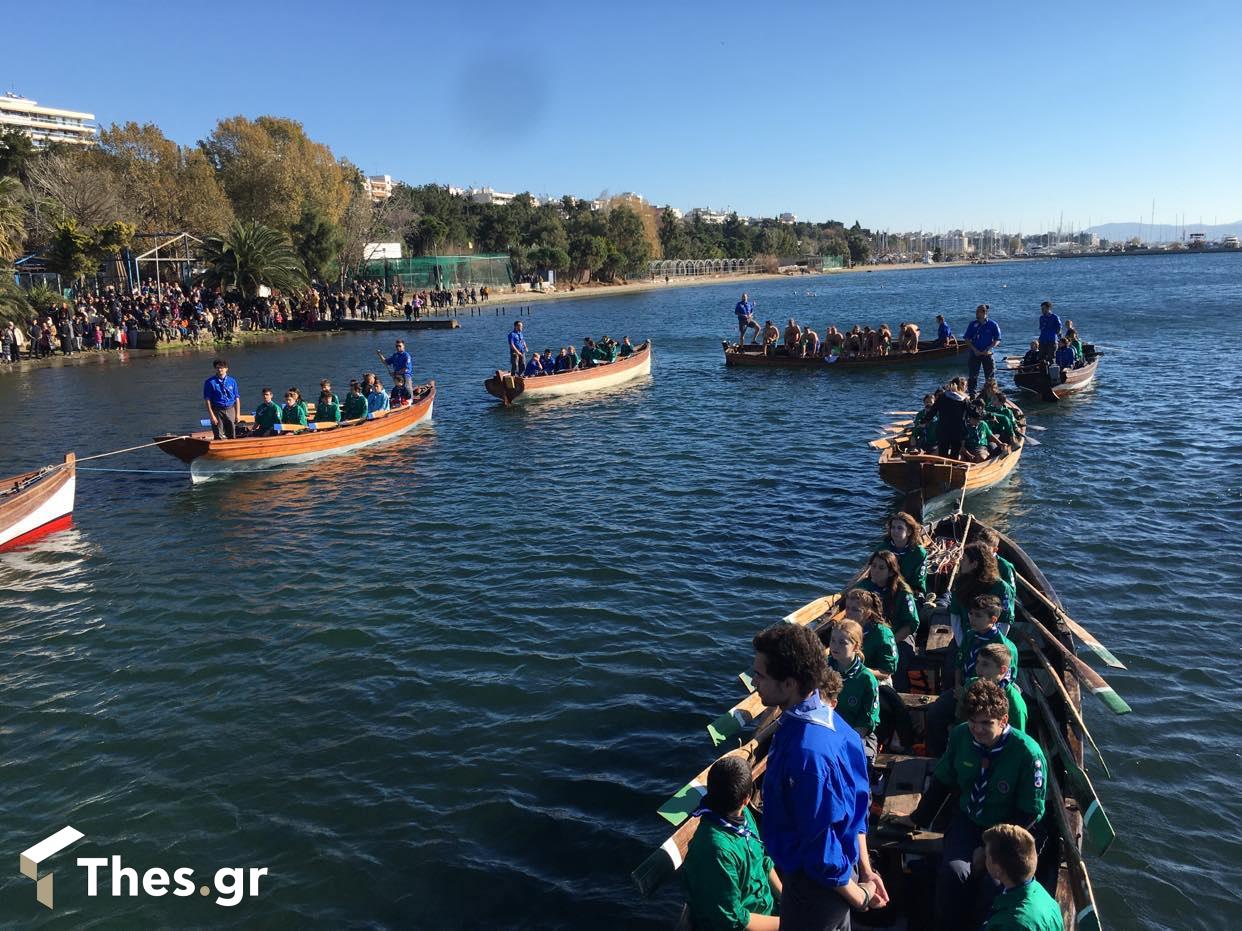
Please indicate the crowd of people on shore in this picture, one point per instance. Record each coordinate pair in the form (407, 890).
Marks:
(109, 319)
(810, 864)
(569, 359)
(367, 397)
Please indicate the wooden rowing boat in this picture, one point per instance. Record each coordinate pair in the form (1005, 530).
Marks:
(1053, 383)
(898, 781)
(510, 388)
(209, 457)
(930, 353)
(925, 477)
(37, 503)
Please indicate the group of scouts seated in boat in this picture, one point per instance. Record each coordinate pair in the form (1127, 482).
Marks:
(955, 425)
(810, 861)
(365, 398)
(568, 359)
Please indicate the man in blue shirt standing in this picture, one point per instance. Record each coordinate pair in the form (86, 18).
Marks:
(400, 363)
(816, 790)
(223, 401)
(517, 349)
(983, 335)
(1049, 331)
(745, 310)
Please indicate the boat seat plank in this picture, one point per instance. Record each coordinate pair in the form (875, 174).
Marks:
(904, 787)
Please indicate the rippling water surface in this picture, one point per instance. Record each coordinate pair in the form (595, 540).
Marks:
(447, 681)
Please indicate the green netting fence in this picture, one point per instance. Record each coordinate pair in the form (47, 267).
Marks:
(441, 271)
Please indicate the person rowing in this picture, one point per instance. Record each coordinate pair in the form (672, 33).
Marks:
(399, 363)
(745, 311)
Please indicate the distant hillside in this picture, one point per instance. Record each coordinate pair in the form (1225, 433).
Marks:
(1163, 232)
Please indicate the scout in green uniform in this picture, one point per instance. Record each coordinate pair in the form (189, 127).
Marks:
(994, 664)
(879, 648)
(923, 429)
(355, 406)
(1004, 568)
(984, 630)
(999, 774)
(902, 542)
(900, 609)
(859, 702)
(266, 415)
(1025, 905)
(729, 878)
(979, 574)
(977, 438)
(294, 411)
(327, 408)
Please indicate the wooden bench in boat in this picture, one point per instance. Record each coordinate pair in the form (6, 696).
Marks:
(903, 779)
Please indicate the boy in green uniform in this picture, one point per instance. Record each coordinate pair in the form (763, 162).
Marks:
(993, 664)
(1024, 905)
(729, 878)
(355, 407)
(859, 701)
(328, 407)
(977, 439)
(984, 617)
(999, 774)
(266, 415)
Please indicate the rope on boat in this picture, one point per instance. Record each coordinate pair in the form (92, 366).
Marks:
(130, 449)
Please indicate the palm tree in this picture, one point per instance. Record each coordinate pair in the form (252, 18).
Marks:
(250, 255)
(12, 219)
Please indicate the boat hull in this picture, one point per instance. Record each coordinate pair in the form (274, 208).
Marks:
(210, 458)
(1037, 381)
(933, 477)
(753, 356)
(44, 505)
(514, 388)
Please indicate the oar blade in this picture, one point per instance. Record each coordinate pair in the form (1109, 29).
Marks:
(1105, 693)
(725, 727)
(657, 869)
(747, 681)
(686, 799)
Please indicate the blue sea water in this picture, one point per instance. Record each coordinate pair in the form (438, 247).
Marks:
(447, 681)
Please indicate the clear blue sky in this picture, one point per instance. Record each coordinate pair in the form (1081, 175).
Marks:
(901, 115)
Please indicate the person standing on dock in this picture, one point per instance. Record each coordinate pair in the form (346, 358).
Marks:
(399, 363)
(1049, 331)
(816, 791)
(745, 310)
(223, 401)
(517, 349)
(984, 335)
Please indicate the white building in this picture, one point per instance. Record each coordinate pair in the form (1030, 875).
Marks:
(707, 215)
(954, 243)
(789, 218)
(46, 124)
(379, 187)
(485, 195)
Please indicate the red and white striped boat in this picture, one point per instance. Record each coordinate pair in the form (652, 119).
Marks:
(35, 504)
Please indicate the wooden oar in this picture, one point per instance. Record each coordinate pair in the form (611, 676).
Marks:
(902, 413)
(686, 799)
(1086, 675)
(901, 423)
(1086, 918)
(1099, 828)
(1076, 629)
(1065, 697)
(882, 444)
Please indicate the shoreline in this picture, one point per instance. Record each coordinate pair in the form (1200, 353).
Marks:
(503, 300)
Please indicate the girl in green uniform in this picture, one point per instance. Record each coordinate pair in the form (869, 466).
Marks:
(923, 429)
(880, 656)
(900, 609)
(355, 406)
(978, 574)
(294, 411)
(859, 702)
(266, 415)
(903, 542)
(1004, 568)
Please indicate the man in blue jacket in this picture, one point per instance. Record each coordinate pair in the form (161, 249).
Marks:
(517, 349)
(1049, 331)
(816, 790)
(399, 363)
(223, 401)
(983, 335)
(745, 310)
